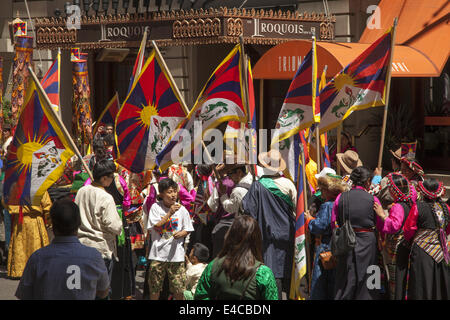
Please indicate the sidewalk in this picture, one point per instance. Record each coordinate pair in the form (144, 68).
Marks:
(8, 287)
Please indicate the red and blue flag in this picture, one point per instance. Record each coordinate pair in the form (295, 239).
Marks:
(219, 101)
(138, 63)
(37, 154)
(360, 85)
(148, 116)
(234, 133)
(298, 109)
(108, 116)
(51, 82)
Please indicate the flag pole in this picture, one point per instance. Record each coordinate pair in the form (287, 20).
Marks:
(49, 108)
(307, 236)
(183, 103)
(388, 90)
(313, 95)
(141, 58)
(245, 99)
(59, 81)
(338, 146)
(324, 73)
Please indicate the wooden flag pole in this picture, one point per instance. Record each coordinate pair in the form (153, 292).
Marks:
(141, 58)
(388, 90)
(245, 99)
(322, 160)
(338, 147)
(59, 81)
(180, 97)
(49, 108)
(313, 95)
(307, 236)
(318, 149)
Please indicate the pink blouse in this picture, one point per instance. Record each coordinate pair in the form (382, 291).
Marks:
(335, 210)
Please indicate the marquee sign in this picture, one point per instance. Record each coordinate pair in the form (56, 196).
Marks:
(181, 27)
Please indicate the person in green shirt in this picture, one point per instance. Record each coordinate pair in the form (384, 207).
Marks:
(238, 272)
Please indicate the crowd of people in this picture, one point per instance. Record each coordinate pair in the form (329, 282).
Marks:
(226, 231)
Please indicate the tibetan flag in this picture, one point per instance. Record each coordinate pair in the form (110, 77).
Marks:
(147, 118)
(75, 54)
(360, 85)
(297, 112)
(37, 154)
(219, 101)
(237, 134)
(299, 263)
(409, 150)
(51, 82)
(108, 116)
(138, 63)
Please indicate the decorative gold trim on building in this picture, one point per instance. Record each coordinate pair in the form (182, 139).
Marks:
(189, 27)
(196, 28)
(326, 31)
(234, 27)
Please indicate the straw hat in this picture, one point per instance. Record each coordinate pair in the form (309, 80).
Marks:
(272, 162)
(397, 154)
(349, 160)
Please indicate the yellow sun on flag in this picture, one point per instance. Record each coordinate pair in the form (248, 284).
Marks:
(25, 153)
(343, 79)
(147, 113)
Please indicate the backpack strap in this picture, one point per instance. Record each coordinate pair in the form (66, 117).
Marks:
(343, 208)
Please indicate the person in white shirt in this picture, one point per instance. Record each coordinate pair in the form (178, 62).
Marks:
(169, 223)
(100, 222)
(195, 264)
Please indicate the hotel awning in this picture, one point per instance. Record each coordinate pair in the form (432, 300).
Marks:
(283, 60)
(422, 25)
(422, 44)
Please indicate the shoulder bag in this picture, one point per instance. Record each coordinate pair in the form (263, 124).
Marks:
(343, 239)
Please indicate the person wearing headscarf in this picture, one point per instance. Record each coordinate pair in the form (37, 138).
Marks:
(428, 227)
(396, 248)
